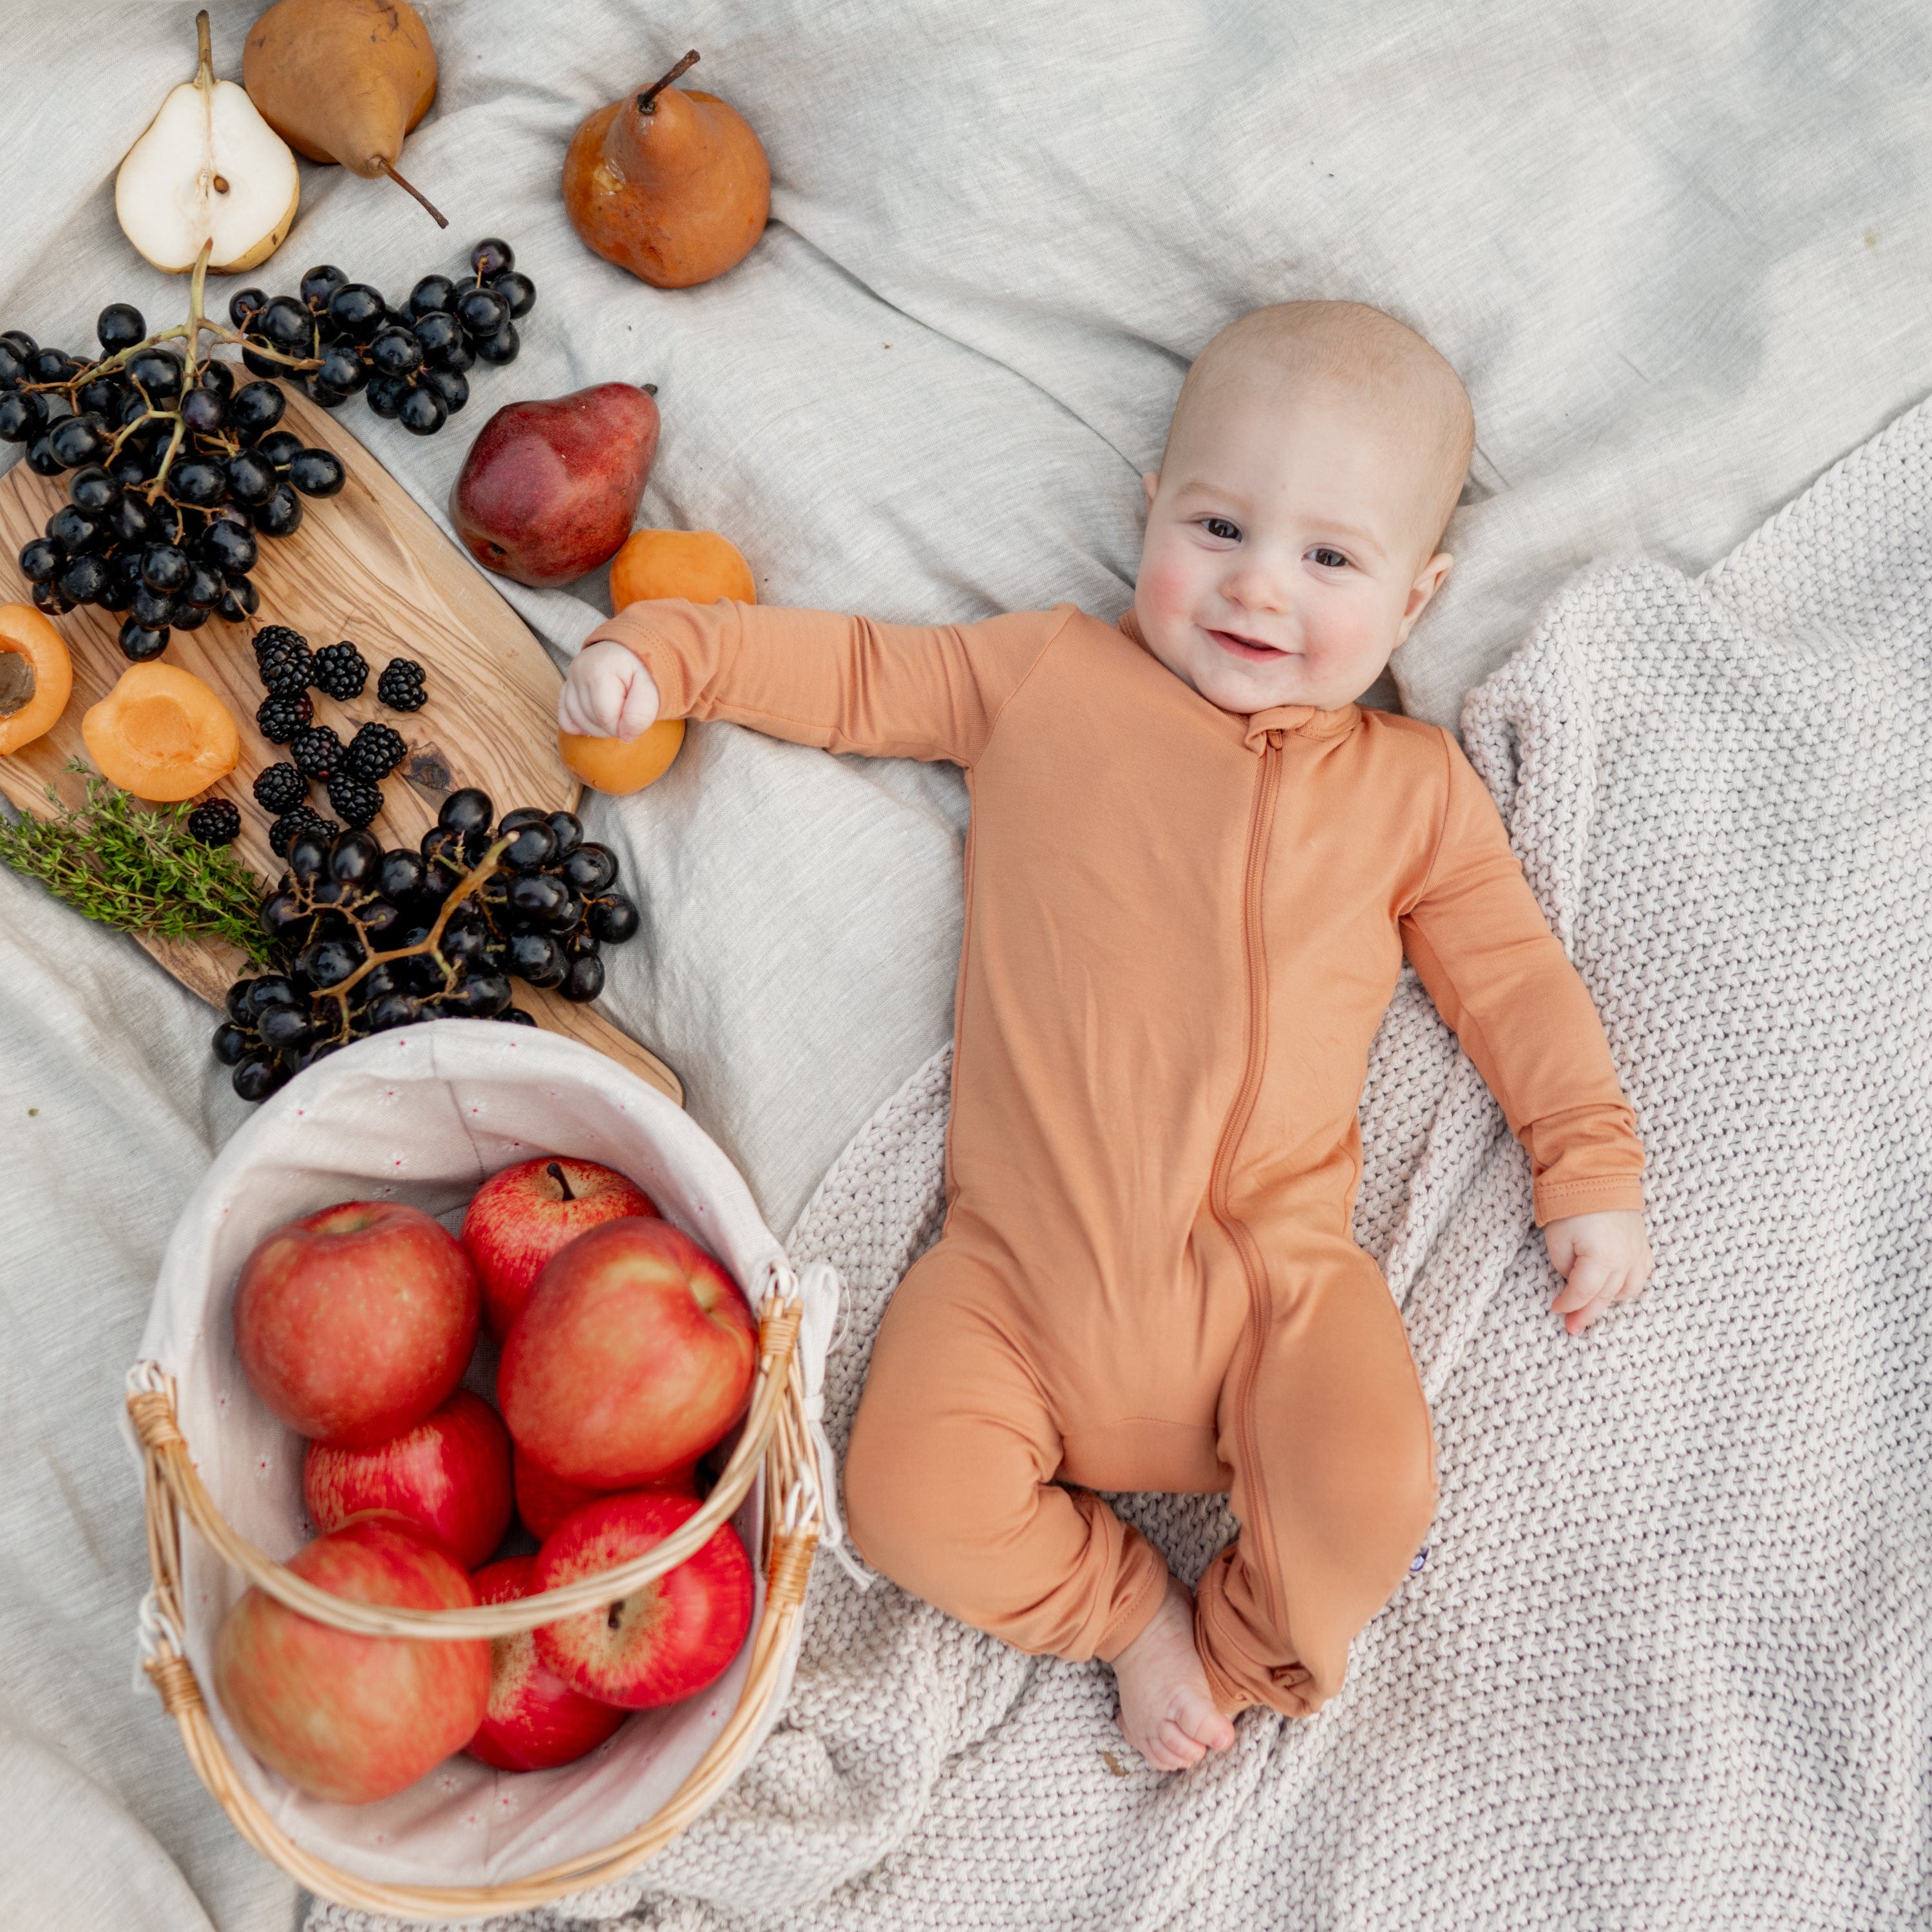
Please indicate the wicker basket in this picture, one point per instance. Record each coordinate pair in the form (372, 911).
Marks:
(774, 1483)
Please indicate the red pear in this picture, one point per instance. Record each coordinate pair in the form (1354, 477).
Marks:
(550, 489)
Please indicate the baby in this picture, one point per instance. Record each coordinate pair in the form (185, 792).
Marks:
(1194, 867)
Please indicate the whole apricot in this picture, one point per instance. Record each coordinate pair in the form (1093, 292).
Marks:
(699, 565)
(610, 765)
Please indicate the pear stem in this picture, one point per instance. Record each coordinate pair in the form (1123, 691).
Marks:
(647, 101)
(442, 220)
(204, 49)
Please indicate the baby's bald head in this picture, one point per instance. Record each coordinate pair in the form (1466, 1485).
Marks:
(1377, 369)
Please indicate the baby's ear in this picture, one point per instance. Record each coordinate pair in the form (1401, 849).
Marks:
(1151, 482)
(1428, 581)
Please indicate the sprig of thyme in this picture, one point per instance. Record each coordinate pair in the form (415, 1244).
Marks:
(125, 865)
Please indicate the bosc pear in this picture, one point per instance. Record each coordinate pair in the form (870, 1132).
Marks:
(670, 184)
(343, 80)
(208, 173)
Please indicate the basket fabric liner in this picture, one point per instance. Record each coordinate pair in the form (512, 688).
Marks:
(1668, 1663)
(423, 1116)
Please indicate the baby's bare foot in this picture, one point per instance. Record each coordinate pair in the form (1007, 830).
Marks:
(1166, 1712)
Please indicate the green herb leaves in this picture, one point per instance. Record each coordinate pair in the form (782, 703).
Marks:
(135, 867)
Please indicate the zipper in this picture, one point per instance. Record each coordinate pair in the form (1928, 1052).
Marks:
(1260, 825)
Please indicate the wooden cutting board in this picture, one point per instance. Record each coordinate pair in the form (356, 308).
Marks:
(368, 565)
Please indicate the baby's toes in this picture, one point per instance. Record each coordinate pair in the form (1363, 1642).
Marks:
(1178, 1744)
(1202, 1725)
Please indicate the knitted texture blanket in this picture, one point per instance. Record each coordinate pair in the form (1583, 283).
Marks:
(1665, 1662)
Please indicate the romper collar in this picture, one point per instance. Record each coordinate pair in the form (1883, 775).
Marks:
(1303, 721)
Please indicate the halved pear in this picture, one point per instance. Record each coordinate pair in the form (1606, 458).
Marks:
(209, 172)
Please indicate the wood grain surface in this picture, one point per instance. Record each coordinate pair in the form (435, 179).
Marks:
(368, 565)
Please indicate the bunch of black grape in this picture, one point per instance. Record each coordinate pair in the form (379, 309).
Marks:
(409, 364)
(368, 939)
(177, 470)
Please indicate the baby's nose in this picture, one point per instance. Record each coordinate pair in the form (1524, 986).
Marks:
(1254, 587)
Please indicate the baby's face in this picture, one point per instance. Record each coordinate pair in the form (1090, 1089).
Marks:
(1289, 544)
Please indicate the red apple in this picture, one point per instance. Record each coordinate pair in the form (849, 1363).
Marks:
(536, 1721)
(348, 1718)
(543, 1501)
(451, 1474)
(353, 1324)
(521, 1216)
(665, 1642)
(633, 1355)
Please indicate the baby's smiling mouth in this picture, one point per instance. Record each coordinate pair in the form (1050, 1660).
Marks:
(1249, 648)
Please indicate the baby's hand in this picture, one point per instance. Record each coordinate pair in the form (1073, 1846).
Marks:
(607, 693)
(1602, 1258)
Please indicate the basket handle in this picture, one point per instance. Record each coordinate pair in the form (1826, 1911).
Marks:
(170, 1470)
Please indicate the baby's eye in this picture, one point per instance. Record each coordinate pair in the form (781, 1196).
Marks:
(1329, 559)
(1220, 528)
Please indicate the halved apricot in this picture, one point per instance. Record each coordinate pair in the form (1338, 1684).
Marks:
(699, 565)
(36, 677)
(614, 766)
(160, 733)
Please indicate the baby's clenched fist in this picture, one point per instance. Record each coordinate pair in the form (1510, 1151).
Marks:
(607, 693)
(1604, 1258)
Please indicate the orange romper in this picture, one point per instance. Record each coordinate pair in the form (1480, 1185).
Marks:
(1183, 926)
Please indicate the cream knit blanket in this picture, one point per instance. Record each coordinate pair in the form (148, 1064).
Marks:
(1666, 1663)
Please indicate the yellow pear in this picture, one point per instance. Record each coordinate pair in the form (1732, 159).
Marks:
(209, 172)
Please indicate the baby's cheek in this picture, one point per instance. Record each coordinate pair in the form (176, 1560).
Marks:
(1168, 585)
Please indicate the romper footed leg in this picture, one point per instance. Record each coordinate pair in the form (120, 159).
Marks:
(1334, 1486)
(949, 1479)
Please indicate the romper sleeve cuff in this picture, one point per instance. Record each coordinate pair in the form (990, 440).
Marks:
(1554, 1200)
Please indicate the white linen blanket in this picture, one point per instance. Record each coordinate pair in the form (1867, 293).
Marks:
(1668, 1660)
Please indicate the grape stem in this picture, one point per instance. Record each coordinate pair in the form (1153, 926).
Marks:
(485, 869)
(197, 326)
(197, 289)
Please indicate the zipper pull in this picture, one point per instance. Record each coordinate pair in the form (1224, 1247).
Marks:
(1276, 739)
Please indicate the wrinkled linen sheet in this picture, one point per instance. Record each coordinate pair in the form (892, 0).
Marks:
(1679, 255)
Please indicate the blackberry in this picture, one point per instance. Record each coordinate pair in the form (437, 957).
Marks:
(282, 714)
(356, 798)
(286, 668)
(401, 686)
(287, 828)
(216, 823)
(270, 635)
(316, 750)
(341, 670)
(280, 788)
(374, 752)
